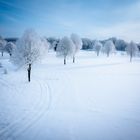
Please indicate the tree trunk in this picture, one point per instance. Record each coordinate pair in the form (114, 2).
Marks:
(64, 61)
(73, 59)
(2, 53)
(97, 53)
(130, 58)
(29, 73)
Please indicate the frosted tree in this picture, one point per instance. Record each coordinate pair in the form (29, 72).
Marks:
(97, 47)
(45, 43)
(2, 45)
(131, 49)
(29, 49)
(65, 48)
(109, 47)
(9, 47)
(77, 44)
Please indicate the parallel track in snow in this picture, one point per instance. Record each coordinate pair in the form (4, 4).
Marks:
(15, 129)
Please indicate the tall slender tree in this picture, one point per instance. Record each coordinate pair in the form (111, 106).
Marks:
(77, 44)
(97, 47)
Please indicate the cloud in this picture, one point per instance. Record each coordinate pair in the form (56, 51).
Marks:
(127, 31)
(88, 19)
(127, 26)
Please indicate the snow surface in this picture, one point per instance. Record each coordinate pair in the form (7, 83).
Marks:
(97, 98)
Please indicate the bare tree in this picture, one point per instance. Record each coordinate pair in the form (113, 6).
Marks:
(65, 48)
(131, 49)
(77, 44)
(29, 49)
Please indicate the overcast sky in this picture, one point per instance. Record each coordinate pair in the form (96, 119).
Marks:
(96, 19)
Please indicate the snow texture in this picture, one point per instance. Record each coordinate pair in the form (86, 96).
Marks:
(98, 98)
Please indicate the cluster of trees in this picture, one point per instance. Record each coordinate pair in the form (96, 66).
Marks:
(69, 46)
(31, 47)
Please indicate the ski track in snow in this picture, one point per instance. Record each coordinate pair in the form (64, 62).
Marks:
(59, 95)
(14, 129)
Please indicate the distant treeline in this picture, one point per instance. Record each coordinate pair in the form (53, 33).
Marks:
(88, 44)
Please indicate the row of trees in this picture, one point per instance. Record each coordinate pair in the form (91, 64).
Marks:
(120, 44)
(31, 48)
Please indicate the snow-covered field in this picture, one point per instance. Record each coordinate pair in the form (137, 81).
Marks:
(97, 98)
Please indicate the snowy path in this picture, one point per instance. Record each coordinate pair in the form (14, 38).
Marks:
(96, 98)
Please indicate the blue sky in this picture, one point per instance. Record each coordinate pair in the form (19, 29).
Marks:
(96, 19)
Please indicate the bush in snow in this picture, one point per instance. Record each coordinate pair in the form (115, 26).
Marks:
(77, 44)
(131, 49)
(108, 47)
(2, 45)
(97, 47)
(9, 47)
(65, 48)
(29, 49)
